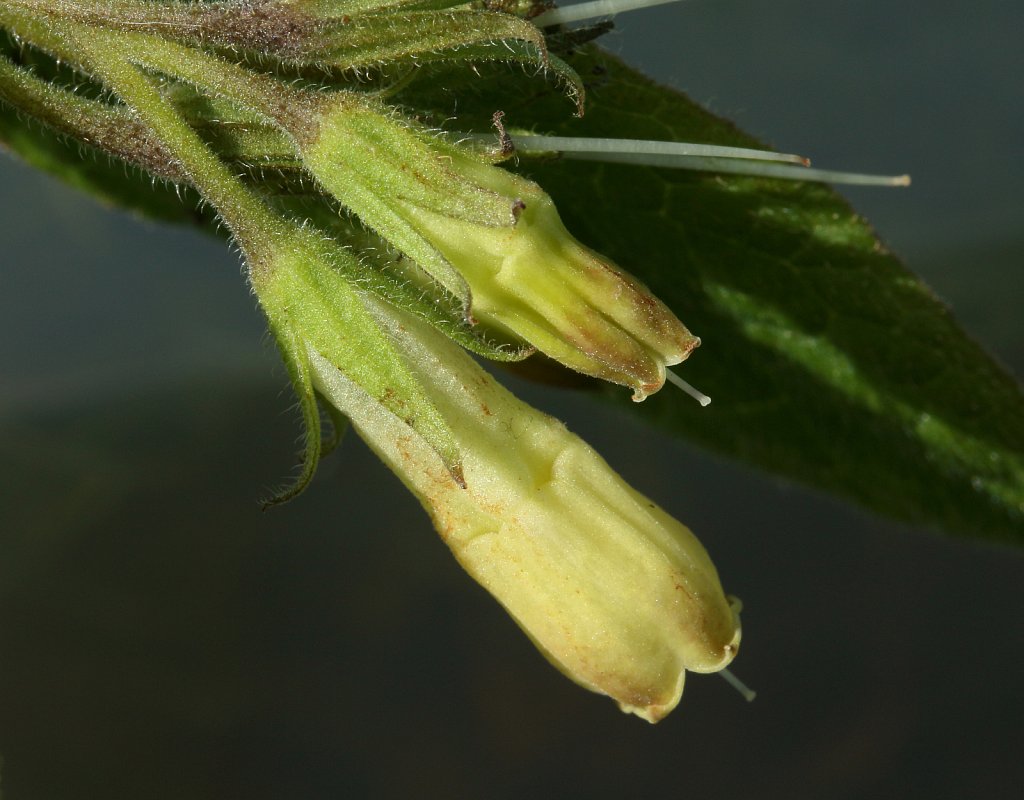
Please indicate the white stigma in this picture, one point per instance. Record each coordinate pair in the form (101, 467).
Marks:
(748, 693)
(696, 394)
(596, 8)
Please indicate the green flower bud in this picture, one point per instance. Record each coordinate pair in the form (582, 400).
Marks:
(496, 240)
(617, 594)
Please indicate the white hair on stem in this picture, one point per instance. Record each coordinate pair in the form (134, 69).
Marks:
(596, 8)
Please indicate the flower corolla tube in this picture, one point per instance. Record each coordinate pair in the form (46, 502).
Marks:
(616, 593)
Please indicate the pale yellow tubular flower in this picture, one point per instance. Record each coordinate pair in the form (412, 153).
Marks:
(616, 593)
(535, 280)
(495, 240)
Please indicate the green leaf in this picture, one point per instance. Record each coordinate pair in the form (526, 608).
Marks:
(829, 362)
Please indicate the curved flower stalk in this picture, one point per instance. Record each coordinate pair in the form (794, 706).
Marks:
(617, 594)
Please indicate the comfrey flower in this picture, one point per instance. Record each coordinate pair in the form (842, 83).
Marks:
(275, 112)
(616, 593)
(514, 262)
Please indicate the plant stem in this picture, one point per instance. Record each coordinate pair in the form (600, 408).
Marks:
(108, 128)
(250, 221)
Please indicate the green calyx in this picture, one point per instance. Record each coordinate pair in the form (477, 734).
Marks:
(374, 164)
(306, 288)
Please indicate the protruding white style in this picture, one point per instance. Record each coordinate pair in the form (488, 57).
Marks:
(748, 693)
(695, 393)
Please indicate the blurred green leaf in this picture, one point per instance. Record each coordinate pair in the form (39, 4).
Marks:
(828, 361)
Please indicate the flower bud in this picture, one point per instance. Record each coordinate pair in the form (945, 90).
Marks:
(495, 239)
(615, 593)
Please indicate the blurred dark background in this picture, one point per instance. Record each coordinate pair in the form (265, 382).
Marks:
(162, 638)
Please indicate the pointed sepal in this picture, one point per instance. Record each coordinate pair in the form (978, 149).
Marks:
(296, 361)
(308, 288)
(339, 426)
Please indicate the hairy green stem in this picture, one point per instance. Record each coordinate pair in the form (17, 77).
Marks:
(108, 128)
(250, 221)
